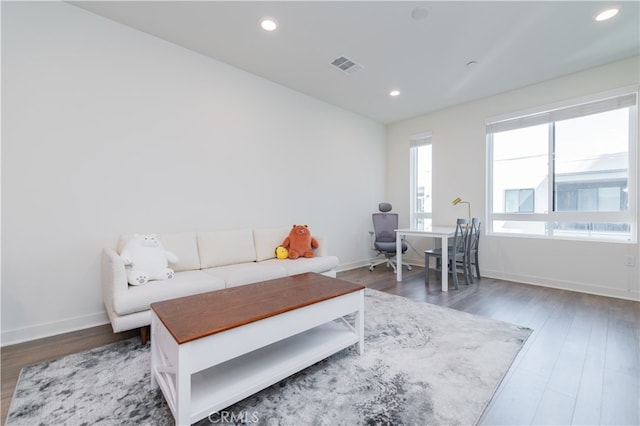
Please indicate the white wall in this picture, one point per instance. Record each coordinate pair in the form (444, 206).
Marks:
(459, 170)
(107, 130)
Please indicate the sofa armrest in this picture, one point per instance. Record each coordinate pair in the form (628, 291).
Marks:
(114, 276)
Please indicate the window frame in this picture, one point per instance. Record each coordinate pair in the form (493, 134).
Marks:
(415, 142)
(554, 216)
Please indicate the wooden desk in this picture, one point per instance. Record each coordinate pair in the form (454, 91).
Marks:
(441, 232)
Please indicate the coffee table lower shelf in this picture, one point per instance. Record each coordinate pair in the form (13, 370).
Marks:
(201, 377)
(223, 385)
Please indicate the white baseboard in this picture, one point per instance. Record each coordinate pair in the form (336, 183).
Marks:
(525, 279)
(564, 285)
(25, 334)
(353, 265)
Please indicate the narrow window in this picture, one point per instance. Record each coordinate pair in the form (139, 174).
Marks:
(421, 180)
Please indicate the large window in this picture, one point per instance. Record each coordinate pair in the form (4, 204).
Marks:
(420, 160)
(567, 172)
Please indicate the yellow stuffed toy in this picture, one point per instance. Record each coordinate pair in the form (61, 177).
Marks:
(282, 252)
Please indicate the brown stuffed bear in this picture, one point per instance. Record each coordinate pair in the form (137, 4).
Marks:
(300, 242)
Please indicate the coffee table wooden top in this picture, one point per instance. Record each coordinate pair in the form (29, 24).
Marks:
(193, 317)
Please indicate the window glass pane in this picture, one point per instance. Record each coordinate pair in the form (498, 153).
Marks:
(519, 201)
(526, 201)
(591, 161)
(511, 201)
(578, 158)
(423, 179)
(520, 161)
(609, 198)
(601, 230)
(422, 223)
(519, 227)
(588, 199)
(566, 197)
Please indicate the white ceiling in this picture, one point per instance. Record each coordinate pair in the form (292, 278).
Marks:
(515, 44)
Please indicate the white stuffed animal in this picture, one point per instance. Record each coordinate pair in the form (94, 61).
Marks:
(147, 259)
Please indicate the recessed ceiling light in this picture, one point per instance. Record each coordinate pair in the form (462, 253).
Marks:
(394, 93)
(268, 24)
(607, 14)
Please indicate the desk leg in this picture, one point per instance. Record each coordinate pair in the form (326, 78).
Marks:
(398, 257)
(445, 264)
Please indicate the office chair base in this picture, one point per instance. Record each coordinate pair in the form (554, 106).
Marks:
(389, 263)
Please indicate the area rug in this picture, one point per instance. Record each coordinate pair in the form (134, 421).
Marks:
(422, 365)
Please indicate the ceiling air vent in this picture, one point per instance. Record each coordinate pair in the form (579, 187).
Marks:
(347, 65)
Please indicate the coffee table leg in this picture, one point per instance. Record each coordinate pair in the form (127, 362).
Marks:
(154, 363)
(360, 324)
(183, 391)
(155, 356)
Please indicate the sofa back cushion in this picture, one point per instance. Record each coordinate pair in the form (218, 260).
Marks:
(183, 244)
(267, 239)
(226, 247)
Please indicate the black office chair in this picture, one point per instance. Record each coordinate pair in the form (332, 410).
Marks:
(384, 226)
(457, 254)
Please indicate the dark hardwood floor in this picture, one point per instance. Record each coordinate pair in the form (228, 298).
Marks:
(15, 357)
(581, 364)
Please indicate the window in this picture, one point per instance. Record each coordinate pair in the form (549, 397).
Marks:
(566, 172)
(420, 169)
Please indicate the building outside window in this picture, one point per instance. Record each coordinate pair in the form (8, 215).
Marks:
(519, 200)
(421, 178)
(566, 172)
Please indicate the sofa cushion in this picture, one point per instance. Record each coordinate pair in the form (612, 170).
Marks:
(267, 239)
(139, 298)
(247, 273)
(228, 247)
(303, 264)
(183, 244)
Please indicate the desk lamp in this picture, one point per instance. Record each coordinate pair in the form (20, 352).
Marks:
(459, 200)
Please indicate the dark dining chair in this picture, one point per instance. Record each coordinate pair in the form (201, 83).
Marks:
(474, 243)
(471, 260)
(457, 252)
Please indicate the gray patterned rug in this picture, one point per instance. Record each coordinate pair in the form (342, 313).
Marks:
(422, 365)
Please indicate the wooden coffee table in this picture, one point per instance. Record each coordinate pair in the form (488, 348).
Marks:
(211, 350)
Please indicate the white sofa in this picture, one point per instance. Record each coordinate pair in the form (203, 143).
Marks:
(208, 261)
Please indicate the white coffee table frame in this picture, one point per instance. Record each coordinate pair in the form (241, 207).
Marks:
(203, 376)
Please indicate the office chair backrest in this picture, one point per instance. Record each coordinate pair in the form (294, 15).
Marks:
(384, 226)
